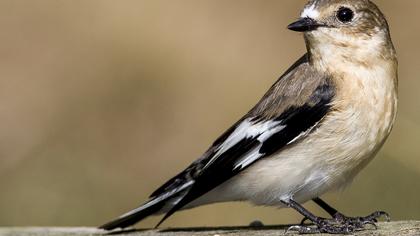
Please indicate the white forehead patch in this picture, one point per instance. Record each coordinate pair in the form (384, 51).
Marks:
(310, 12)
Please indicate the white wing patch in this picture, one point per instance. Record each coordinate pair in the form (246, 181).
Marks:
(310, 12)
(271, 127)
(248, 129)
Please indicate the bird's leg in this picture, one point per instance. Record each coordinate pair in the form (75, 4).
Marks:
(358, 222)
(329, 209)
(322, 225)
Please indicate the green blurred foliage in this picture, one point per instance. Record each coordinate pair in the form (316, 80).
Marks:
(101, 101)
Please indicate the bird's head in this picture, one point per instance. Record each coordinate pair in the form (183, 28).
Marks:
(344, 30)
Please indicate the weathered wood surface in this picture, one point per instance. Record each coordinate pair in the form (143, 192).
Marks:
(404, 228)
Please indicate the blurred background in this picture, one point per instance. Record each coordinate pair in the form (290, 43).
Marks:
(101, 101)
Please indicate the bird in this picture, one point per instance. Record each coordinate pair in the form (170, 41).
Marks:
(311, 133)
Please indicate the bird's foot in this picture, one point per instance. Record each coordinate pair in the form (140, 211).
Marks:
(340, 218)
(340, 224)
(328, 226)
(361, 222)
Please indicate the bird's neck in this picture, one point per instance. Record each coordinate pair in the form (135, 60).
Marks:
(357, 65)
(343, 54)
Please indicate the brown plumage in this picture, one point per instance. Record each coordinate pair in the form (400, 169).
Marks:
(295, 88)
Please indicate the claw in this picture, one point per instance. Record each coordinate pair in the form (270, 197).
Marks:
(301, 229)
(370, 223)
(292, 228)
(380, 214)
(376, 215)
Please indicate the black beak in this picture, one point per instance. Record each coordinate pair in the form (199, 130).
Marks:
(304, 25)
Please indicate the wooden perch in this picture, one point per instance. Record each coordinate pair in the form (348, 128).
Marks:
(401, 228)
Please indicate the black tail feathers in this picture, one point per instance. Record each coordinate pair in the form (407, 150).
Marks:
(134, 216)
(159, 203)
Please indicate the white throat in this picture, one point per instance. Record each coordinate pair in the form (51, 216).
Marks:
(334, 51)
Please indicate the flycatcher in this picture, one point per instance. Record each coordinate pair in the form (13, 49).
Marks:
(314, 130)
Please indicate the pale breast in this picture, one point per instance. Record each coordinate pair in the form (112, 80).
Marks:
(364, 113)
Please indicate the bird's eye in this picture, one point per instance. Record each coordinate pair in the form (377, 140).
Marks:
(345, 14)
